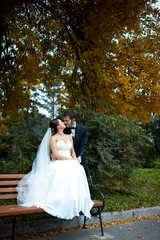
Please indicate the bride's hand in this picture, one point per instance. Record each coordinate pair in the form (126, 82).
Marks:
(79, 159)
(53, 159)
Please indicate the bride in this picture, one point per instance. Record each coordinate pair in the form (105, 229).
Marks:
(58, 186)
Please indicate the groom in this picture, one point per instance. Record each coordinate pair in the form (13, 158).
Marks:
(79, 134)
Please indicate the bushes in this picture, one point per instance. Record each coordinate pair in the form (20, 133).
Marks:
(152, 154)
(112, 147)
(19, 145)
(116, 146)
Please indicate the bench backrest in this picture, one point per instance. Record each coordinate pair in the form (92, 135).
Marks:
(8, 183)
(8, 191)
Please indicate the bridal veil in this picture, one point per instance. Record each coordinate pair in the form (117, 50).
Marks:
(32, 188)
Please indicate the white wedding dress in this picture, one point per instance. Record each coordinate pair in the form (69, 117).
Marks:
(61, 189)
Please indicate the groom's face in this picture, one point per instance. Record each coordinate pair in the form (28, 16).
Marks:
(68, 122)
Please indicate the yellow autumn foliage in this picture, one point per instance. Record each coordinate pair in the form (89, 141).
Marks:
(3, 128)
(103, 50)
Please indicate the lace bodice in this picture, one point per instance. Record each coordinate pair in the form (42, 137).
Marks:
(64, 149)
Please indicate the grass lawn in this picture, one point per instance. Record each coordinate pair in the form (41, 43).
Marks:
(142, 190)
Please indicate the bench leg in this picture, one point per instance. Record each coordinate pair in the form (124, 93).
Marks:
(100, 218)
(84, 224)
(23, 227)
(13, 227)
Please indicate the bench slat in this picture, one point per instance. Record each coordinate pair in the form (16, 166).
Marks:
(11, 176)
(8, 196)
(9, 183)
(6, 190)
(8, 210)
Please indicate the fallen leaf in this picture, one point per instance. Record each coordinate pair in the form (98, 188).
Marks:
(105, 224)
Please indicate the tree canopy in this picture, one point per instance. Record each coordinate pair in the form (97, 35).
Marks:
(106, 51)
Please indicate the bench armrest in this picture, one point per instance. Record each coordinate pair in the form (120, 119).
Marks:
(96, 194)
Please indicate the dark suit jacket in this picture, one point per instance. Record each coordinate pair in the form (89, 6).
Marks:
(80, 142)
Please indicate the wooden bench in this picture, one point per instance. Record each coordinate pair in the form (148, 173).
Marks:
(8, 183)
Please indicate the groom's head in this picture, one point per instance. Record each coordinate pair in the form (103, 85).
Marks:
(69, 118)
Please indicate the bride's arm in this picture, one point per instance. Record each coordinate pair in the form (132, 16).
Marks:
(55, 151)
(73, 154)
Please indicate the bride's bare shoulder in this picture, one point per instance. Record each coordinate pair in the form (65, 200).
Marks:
(70, 137)
(54, 138)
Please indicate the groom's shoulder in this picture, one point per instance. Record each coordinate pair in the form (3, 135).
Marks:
(80, 126)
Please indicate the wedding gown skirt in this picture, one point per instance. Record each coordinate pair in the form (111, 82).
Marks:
(62, 190)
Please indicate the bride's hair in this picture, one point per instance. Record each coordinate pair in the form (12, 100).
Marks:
(53, 125)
